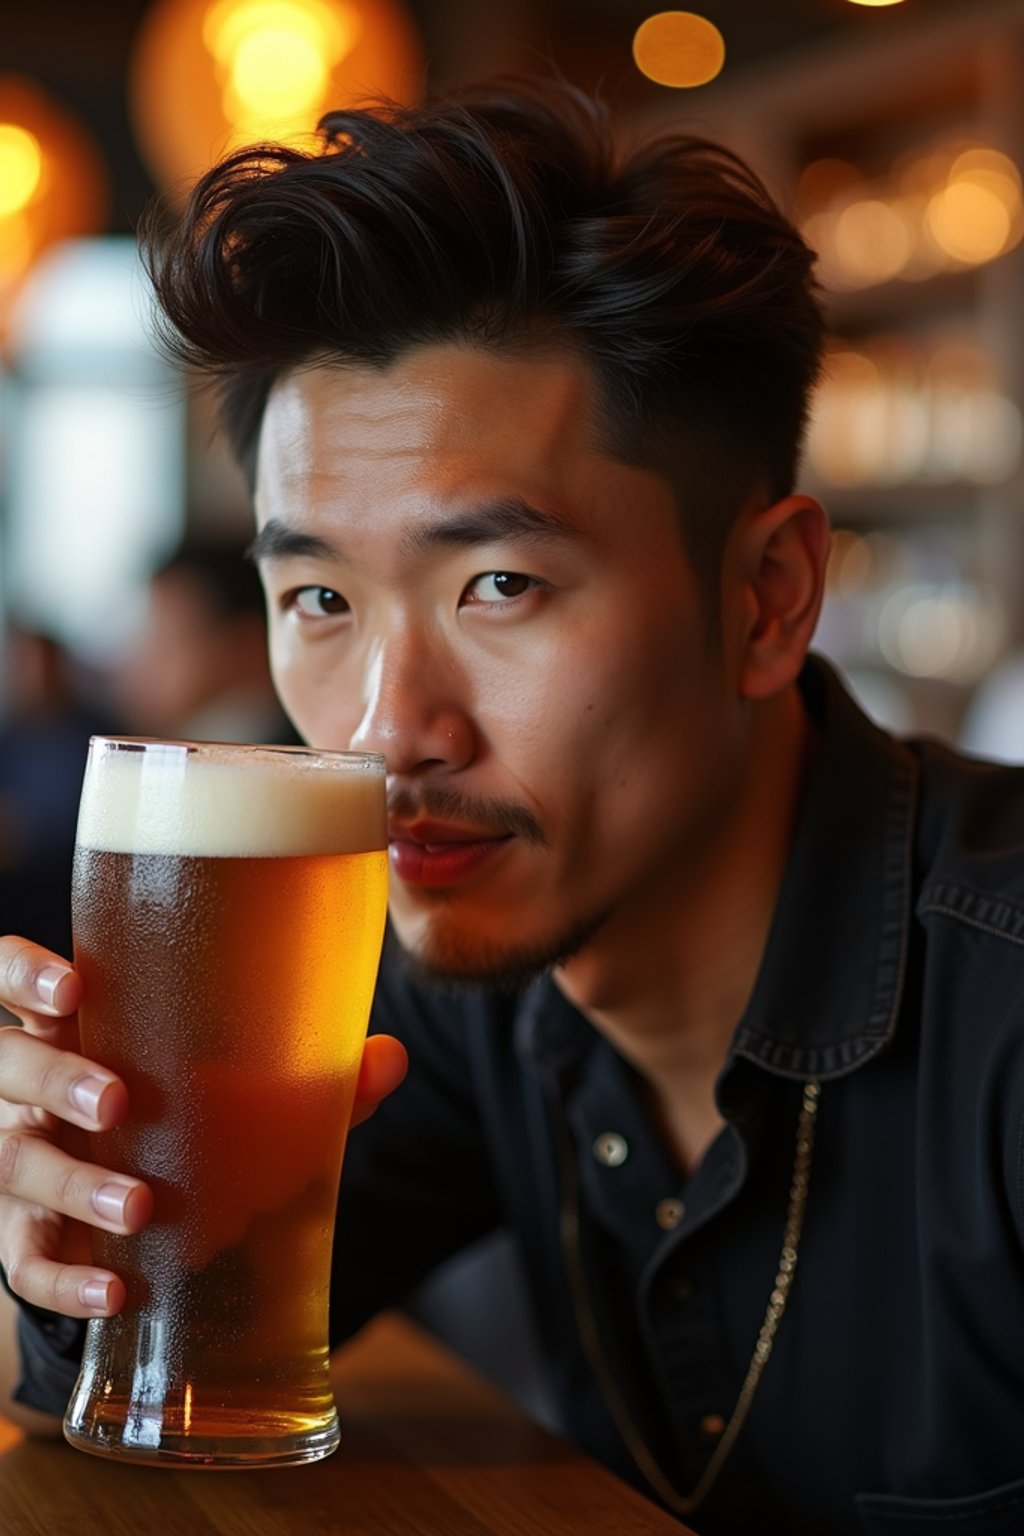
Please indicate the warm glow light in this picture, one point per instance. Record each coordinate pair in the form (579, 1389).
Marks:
(872, 242)
(969, 222)
(276, 74)
(254, 70)
(679, 48)
(51, 182)
(21, 167)
(876, 2)
(952, 206)
(274, 58)
(919, 173)
(900, 412)
(227, 23)
(991, 163)
(15, 247)
(848, 420)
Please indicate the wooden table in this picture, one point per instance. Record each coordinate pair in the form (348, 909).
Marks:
(428, 1449)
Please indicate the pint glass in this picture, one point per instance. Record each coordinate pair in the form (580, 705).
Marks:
(228, 909)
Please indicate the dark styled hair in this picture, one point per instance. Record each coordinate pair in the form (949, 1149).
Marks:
(507, 216)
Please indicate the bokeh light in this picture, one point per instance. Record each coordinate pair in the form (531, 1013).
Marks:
(939, 209)
(21, 167)
(52, 182)
(679, 48)
(909, 604)
(872, 241)
(274, 58)
(257, 70)
(975, 216)
(894, 412)
(951, 631)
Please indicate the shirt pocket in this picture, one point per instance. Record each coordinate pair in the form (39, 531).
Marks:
(997, 1512)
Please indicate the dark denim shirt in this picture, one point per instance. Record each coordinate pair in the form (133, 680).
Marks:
(893, 1400)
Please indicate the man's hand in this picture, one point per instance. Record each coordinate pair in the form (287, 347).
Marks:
(382, 1069)
(50, 1096)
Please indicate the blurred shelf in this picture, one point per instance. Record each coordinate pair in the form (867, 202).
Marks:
(912, 505)
(881, 106)
(907, 305)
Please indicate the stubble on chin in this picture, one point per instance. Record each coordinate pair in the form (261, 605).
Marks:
(445, 958)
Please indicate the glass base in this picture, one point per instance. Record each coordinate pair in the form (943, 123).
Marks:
(220, 1453)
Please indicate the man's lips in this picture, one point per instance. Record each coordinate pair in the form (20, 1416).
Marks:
(437, 854)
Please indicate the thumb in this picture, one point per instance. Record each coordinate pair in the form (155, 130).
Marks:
(383, 1067)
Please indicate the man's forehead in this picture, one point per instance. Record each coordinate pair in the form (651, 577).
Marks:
(433, 398)
(448, 445)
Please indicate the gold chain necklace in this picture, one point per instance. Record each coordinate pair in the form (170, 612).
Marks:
(786, 1271)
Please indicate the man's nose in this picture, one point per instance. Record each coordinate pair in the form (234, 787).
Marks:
(414, 710)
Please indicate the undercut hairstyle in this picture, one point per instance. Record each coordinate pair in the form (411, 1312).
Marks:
(508, 217)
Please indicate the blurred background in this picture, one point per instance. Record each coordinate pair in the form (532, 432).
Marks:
(893, 131)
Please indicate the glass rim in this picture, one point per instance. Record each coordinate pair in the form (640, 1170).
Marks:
(121, 743)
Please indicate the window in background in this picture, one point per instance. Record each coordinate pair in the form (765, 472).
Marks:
(95, 447)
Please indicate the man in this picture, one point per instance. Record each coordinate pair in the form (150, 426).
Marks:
(739, 1061)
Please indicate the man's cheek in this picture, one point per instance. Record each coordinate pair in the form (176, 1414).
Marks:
(299, 702)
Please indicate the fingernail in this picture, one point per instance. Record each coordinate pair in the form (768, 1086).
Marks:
(47, 982)
(85, 1094)
(108, 1201)
(94, 1294)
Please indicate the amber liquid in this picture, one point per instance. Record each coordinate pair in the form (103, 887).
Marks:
(232, 996)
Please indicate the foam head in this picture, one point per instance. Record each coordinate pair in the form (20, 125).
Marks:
(206, 800)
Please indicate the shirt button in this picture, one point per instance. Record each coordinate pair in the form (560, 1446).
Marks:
(611, 1149)
(683, 1289)
(712, 1426)
(669, 1213)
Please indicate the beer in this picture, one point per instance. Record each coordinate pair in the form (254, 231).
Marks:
(228, 910)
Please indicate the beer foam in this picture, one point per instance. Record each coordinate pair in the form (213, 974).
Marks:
(170, 800)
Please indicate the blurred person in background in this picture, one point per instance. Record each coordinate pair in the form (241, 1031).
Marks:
(50, 709)
(712, 991)
(196, 666)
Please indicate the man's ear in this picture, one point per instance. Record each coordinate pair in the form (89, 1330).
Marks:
(776, 563)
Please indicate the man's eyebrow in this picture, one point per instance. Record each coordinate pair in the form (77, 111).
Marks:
(279, 541)
(493, 522)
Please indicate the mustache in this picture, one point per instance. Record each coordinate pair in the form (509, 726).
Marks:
(494, 818)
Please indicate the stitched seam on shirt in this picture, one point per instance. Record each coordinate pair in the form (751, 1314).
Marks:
(895, 934)
(942, 910)
(796, 1059)
(799, 1062)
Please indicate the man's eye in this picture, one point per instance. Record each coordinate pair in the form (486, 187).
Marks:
(317, 602)
(498, 586)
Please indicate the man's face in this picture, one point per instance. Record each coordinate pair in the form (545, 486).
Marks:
(460, 578)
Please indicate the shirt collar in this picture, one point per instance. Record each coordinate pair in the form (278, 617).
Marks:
(828, 991)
